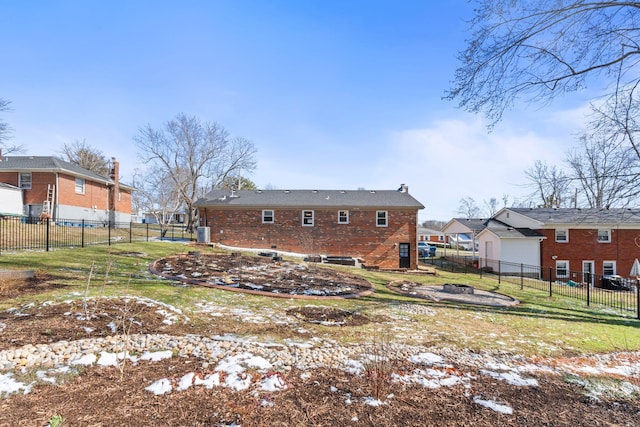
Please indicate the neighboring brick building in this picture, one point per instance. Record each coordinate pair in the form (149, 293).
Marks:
(378, 227)
(573, 243)
(62, 190)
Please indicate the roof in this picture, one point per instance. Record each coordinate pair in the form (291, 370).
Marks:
(469, 225)
(9, 186)
(50, 164)
(505, 231)
(311, 199)
(578, 216)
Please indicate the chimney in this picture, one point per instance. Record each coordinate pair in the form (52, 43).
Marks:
(403, 188)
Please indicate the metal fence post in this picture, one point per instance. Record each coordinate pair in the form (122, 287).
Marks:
(47, 234)
(82, 234)
(109, 234)
(499, 271)
(638, 297)
(130, 230)
(147, 232)
(550, 283)
(521, 276)
(588, 294)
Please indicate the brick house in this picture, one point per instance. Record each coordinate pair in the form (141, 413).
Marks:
(59, 189)
(573, 243)
(378, 227)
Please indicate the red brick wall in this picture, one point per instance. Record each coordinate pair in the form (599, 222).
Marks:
(95, 194)
(583, 245)
(359, 238)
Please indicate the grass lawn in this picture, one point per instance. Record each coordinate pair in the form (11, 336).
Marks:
(539, 325)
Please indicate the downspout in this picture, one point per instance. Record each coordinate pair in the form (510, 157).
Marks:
(56, 205)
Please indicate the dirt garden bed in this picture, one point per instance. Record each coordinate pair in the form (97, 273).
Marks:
(261, 275)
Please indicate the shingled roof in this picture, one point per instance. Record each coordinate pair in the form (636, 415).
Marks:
(50, 164)
(505, 231)
(577, 216)
(383, 199)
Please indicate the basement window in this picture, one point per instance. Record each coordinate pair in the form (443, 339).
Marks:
(307, 218)
(267, 217)
(608, 268)
(79, 186)
(381, 219)
(562, 269)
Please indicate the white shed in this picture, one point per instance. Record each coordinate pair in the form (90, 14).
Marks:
(10, 200)
(513, 247)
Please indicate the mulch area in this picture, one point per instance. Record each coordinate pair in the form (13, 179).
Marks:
(323, 397)
(109, 396)
(261, 275)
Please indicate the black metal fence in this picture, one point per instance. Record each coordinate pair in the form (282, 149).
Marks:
(615, 292)
(31, 233)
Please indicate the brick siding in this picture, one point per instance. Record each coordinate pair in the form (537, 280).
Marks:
(360, 238)
(583, 245)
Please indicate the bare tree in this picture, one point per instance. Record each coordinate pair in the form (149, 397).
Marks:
(491, 207)
(469, 208)
(607, 171)
(156, 195)
(551, 185)
(6, 130)
(539, 49)
(196, 156)
(84, 155)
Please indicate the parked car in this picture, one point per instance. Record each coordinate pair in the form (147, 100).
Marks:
(616, 283)
(425, 250)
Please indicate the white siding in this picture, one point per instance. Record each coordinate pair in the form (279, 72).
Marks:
(10, 201)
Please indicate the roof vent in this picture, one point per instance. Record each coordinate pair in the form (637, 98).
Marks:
(314, 191)
(372, 191)
(233, 194)
(287, 191)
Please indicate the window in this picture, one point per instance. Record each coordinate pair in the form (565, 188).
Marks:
(381, 218)
(343, 217)
(79, 186)
(24, 180)
(307, 218)
(604, 236)
(608, 268)
(562, 236)
(562, 268)
(267, 217)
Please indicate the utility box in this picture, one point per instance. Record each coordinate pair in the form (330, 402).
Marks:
(204, 234)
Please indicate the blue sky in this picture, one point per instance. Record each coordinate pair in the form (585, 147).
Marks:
(334, 94)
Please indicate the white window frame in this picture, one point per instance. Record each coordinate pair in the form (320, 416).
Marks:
(384, 217)
(22, 183)
(268, 213)
(80, 184)
(566, 268)
(566, 235)
(307, 218)
(343, 217)
(612, 268)
(608, 240)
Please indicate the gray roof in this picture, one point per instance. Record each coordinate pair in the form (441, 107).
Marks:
(9, 186)
(311, 199)
(50, 164)
(576, 216)
(476, 225)
(505, 231)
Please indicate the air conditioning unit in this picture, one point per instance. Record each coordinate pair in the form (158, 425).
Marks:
(204, 234)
